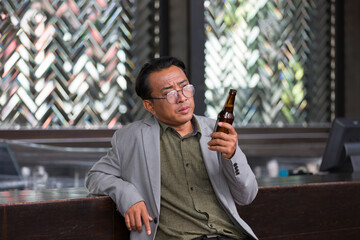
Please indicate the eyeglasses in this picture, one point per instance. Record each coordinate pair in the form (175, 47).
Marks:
(173, 96)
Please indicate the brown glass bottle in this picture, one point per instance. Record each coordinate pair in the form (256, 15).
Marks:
(226, 114)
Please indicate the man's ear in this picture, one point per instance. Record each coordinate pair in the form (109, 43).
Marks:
(148, 105)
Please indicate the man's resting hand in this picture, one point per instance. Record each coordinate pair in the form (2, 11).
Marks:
(136, 215)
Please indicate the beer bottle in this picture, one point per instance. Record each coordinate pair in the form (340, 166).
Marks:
(226, 114)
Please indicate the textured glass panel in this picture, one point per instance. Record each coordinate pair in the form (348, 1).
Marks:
(73, 63)
(276, 53)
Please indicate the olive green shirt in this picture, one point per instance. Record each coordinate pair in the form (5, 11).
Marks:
(189, 207)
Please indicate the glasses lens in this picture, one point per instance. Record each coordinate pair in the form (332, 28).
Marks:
(172, 97)
(188, 91)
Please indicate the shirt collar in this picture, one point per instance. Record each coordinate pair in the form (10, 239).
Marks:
(194, 122)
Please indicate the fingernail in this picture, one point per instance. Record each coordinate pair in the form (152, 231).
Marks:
(148, 232)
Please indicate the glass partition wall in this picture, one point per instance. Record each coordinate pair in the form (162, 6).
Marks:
(279, 55)
(73, 63)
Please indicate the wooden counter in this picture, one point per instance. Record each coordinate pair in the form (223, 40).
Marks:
(69, 213)
(306, 207)
(296, 207)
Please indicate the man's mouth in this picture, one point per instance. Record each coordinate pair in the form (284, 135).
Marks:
(184, 109)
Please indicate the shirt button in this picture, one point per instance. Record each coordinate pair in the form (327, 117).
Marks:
(191, 188)
(187, 165)
(211, 225)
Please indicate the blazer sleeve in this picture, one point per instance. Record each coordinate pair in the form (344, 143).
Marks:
(105, 178)
(241, 179)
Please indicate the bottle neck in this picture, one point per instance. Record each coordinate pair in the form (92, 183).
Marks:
(229, 104)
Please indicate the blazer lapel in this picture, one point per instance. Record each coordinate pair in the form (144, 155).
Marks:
(210, 157)
(151, 141)
(211, 161)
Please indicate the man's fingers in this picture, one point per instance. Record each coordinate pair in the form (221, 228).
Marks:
(138, 223)
(146, 220)
(132, 222)
(228, 127)
(217, 142)
(127, 222)
(230, 136)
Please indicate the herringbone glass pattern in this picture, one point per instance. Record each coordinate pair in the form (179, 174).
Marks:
(73, 63)
(277, 54)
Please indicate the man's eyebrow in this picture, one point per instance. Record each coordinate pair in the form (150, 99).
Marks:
(183, 81)
(170, 87)
(166, 88)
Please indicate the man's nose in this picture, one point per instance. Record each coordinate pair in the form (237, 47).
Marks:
(181, 98)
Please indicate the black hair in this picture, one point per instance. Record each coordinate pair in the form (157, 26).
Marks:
(142, 87)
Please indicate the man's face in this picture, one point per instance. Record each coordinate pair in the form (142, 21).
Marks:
(162, 82)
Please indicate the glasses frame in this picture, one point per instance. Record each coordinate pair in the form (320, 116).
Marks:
(177, 94)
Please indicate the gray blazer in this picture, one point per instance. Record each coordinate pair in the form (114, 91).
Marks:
(130, 172)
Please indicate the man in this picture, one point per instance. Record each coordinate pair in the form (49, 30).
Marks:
(170, 176)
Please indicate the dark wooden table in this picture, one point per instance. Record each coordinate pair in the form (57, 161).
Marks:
(295, 207)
